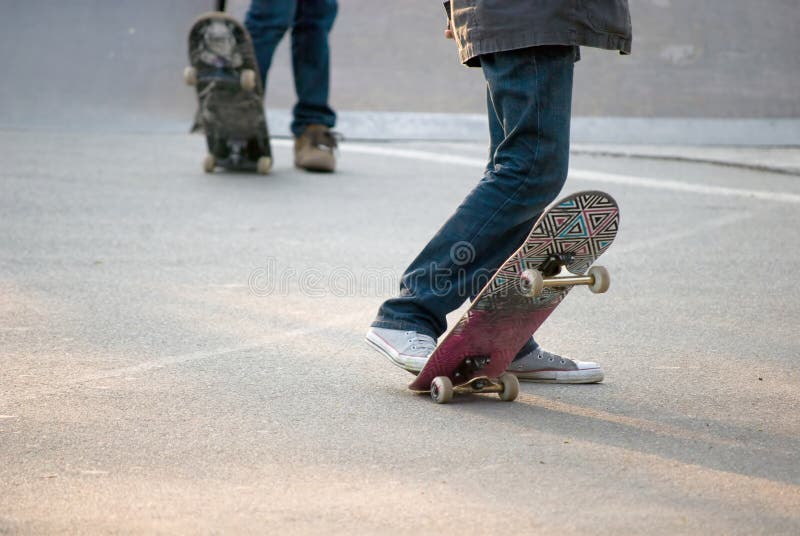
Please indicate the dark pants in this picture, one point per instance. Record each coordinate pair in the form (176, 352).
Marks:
(529, 104)
(311, 22)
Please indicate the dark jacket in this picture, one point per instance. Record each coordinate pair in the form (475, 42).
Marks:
(487, 26)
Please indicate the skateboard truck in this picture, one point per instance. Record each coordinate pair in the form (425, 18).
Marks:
(442, 390)
(236, 148)
(471, 365)
(554, 273)
(555, 263)
(506, 386)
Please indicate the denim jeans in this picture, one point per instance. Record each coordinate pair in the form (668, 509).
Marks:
(311, 22)
(529, 100)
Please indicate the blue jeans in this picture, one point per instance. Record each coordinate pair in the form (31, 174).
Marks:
(529, 96)
(311, 22)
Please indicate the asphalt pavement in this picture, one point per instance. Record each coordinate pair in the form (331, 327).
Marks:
(183, 352)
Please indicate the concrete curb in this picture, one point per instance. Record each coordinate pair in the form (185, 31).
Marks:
(770, 159)
(595, 130)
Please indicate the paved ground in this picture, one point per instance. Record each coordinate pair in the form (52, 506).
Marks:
(182, 353)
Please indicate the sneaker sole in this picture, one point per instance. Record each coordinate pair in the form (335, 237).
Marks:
(413, 368)
(561, 376)
(318, 163)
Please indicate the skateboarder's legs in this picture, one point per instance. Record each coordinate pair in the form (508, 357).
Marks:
(311, 22)
(311, 64)
(530, 95)
(267, 21)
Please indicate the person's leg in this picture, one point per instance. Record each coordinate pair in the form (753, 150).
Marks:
(406, 348)
(267, 21)
(530, 95)
(311, 64)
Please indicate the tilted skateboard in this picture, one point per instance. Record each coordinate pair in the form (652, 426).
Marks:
(557, 254)
(230, 95)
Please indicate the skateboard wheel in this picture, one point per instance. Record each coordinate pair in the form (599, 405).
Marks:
(190, 76)
(601, 277)
(531, 283)
(209, 163)
(441, 390)
(510, 387)
(248, 79)
(264, 165)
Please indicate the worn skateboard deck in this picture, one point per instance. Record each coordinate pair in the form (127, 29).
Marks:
(572, 234)
(230, 94)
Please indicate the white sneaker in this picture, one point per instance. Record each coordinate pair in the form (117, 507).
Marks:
(541, 366)
(408, 350)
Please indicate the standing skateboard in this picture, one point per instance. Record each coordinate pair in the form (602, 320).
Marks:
(230, 95)
(558, 253)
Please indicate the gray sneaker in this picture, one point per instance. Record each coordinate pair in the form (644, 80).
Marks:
(538, 365)
(408, 350)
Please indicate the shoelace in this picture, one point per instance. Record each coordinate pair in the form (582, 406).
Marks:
(420, 344)
(551, 357)
(328, 138)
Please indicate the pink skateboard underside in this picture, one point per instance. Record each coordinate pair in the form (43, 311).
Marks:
(501, 319)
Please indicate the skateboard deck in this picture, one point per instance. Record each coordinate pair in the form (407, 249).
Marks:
(557, 254)
(230, 94)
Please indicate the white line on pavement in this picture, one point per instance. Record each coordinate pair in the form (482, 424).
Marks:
(677, 186)
(580, 174)
(703, 227)
(253, 346)
(195, 356)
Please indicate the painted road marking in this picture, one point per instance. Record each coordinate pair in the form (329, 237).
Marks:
(580, 174)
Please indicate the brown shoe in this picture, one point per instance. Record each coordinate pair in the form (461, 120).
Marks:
(314, 149)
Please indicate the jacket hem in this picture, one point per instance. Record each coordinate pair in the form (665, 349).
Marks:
(470, 52)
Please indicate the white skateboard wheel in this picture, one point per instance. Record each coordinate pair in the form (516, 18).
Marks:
(264, 165)
(531, 283)
(209, 163)
(602, 279)
(248, 79)
(441, 390)
(190, 76)
(510, 387)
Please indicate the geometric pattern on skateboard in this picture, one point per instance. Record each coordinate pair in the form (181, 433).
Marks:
(570, 235)
(230, 94)
(583, 224)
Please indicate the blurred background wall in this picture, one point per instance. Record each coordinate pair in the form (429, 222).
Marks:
(718, 71)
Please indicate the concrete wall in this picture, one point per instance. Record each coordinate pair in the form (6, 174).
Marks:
(710, 58)
(715, 58)
(94, 62)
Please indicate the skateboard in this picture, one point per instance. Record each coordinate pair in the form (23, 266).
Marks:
(558, 254)
(230, 95)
